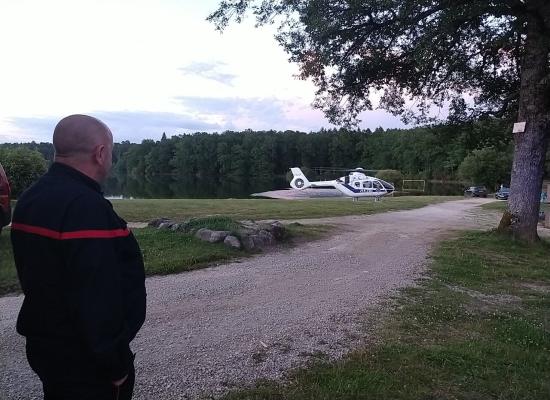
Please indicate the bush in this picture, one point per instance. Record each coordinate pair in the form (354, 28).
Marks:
(23, 167)
(486, 166)
(392, 176)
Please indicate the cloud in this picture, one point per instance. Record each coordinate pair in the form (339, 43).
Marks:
(236, 113)
(137, 125)
(239, 113)
(28, 129)
(125, 125)
(201, 114)
(380, 118)
(211, 71)
(257, 113)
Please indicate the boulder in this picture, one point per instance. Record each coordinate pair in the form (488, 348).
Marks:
(175, 227)
(252, 235)
(232, 241)
(211, 236)
(265, 238)
(218, 236)
(248, 242)
(259, 239)
(278, 230)
(157, 221)
(203, 234)
(247, 231)
(166, 225)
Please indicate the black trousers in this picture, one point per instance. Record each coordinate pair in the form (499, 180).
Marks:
(66, 377)
(88, 389)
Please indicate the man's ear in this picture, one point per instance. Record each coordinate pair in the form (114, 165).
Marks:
(99, 154)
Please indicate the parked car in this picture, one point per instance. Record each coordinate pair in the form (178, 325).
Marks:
(476, 191)
(5, 208)
(502, 193)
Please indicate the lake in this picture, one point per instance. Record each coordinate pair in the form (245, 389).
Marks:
(170, 187)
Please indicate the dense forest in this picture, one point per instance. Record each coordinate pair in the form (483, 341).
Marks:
(427, 152)
(477, 152)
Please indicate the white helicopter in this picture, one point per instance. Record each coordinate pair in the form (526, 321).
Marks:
(356, 184)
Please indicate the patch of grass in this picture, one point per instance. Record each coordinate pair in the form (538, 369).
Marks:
(8, 273)
(259, 209)
(501, 205)
(478, 328)
(164, 252)
(167, 252)
(489, 262)
(297, 232)
(214, 222)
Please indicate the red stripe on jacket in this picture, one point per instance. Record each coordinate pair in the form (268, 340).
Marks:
(83, 234)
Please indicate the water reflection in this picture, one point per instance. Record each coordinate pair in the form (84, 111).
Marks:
(442, 188)
(170, 186)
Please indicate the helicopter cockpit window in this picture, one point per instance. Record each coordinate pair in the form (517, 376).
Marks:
(377, 185)
(367, 185)
(387, 185)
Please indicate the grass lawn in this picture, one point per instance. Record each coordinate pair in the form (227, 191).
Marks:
(164, 251)
(8, 274)
(500, 205)
(258, 209)
(478, 329)
(168, 252)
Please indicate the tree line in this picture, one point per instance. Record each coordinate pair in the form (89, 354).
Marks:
(479, 152)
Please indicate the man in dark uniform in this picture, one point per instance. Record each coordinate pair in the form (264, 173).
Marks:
(81, 271)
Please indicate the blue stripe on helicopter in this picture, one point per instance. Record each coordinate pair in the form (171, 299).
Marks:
(363, 190)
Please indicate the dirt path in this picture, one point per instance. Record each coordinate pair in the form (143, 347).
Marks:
(211, 329)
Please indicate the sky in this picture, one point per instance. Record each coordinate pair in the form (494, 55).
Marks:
(147, 67)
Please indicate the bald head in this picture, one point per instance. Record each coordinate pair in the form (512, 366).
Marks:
(84, 143)
(79, 135)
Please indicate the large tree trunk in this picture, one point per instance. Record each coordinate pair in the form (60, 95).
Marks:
(521, 217)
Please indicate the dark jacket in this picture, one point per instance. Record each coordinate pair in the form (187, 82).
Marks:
(82, 274)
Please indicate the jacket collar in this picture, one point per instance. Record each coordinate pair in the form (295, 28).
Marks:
(60, 169)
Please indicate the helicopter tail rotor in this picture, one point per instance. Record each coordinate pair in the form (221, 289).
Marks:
(299, 181)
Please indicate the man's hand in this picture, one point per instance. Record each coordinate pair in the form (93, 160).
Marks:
(120, 381)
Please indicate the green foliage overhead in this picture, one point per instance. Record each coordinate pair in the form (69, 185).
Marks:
(487, 166)
(23, 167)
(431, 50)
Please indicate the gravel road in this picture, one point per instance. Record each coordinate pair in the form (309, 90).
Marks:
(212, 329)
